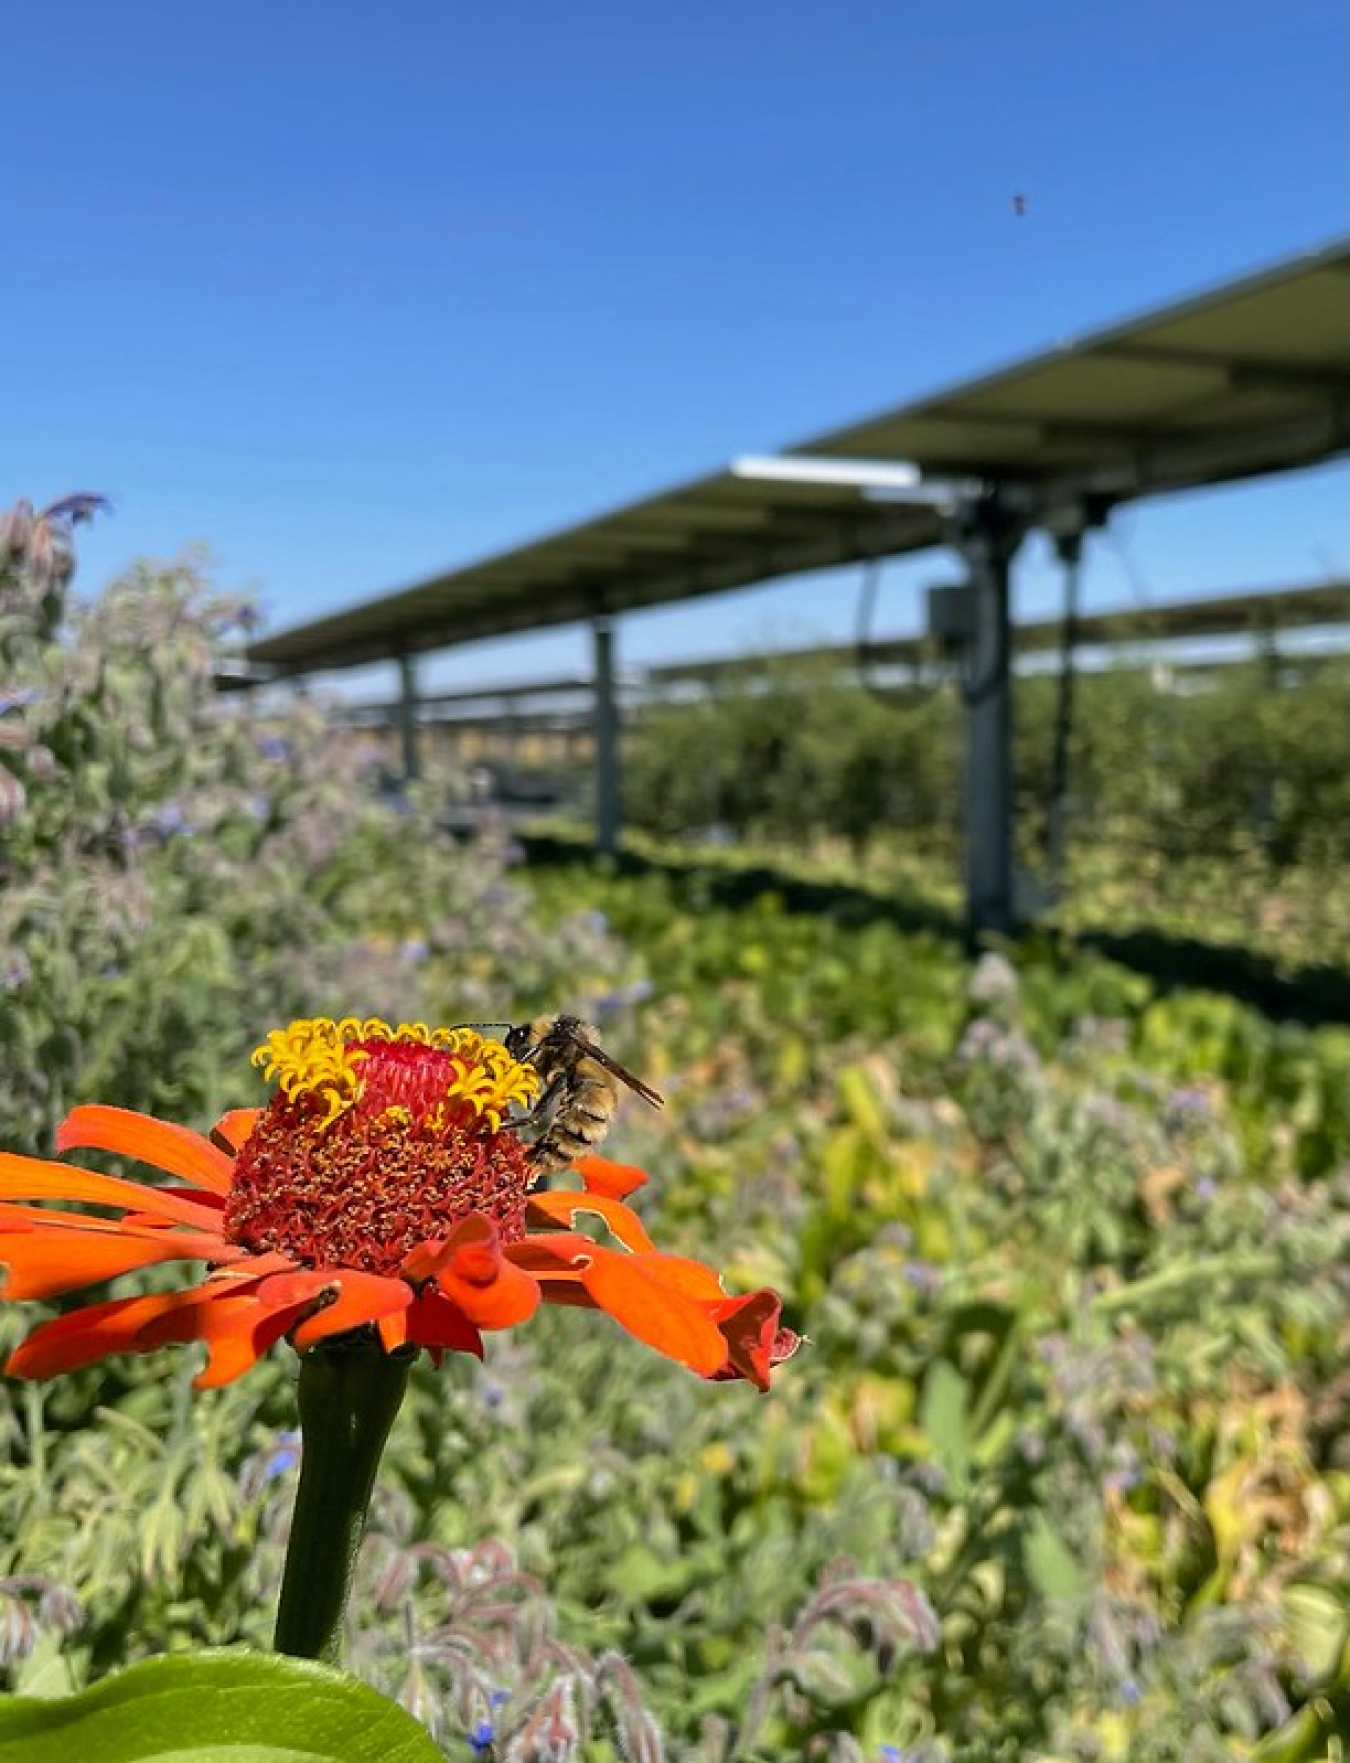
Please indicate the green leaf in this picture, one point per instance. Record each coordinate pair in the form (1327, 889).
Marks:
(862, 1101)
(641, 1576)
(1317, 1619)
(944, 1414)
(1051, 1565)
(237, 1707)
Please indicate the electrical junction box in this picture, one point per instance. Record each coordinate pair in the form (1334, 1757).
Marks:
(951, 613)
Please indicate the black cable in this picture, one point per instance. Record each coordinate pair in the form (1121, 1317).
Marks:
(867, 603)
(994, 677)
(865, 646)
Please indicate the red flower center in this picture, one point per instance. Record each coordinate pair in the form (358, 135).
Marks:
(400, 1166)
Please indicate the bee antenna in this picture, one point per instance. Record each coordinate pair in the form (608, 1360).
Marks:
(483, 1025)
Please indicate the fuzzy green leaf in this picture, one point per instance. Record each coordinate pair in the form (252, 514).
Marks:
(944, 1414)
(244, 1707)
(1051, 1565)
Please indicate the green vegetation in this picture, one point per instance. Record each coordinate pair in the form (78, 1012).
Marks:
(1065, 1470)
(1215, 806)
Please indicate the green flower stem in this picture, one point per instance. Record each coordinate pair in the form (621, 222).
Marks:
(348, 1397)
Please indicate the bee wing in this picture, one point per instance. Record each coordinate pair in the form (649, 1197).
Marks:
(624, 1076)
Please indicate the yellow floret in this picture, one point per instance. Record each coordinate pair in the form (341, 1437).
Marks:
(316, 1056)
(489, 1080)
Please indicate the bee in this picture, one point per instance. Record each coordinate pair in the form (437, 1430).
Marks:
(581, 1082)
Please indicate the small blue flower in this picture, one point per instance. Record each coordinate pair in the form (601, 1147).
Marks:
(284, 1456)
(1190, 1100)
(621, 998)
(14, 970)
(923, 1276)
(1123, 1480)
(483, 1737)
(170, 821)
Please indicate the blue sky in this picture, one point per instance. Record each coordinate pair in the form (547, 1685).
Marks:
(354, 294)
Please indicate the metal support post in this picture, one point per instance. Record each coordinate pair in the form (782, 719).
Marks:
(509, 745)
(1069, 548)
(987, 536)
(608, 793)
(407, 717)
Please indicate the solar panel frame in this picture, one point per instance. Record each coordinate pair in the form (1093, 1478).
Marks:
(1250, 378)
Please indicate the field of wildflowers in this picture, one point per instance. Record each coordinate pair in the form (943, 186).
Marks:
(1062, 1471)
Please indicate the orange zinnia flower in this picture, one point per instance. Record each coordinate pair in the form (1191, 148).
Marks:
(382, 1189)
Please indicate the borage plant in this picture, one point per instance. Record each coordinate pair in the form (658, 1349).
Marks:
(381, 1204)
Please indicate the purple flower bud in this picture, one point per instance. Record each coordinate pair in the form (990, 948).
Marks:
(13, 797)
(15, 968)
(60, 1610)
(923, 1276)
(82, 506)
(15, 528)
(18, 1631)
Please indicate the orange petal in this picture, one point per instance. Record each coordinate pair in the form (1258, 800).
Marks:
(691, 1278)
(83, 1336)
(561, 1256)
(655, 1313)
(43, 1263)
(236, 1335)
(235, 1126)
(262, 1266)
(16, 1217)
(511, 1298)
(470, 1268)
(555, 1254)
(35, 1178)
(360, 1298)
(473, 1251)
(210, 1208)
(614, 1180)
(229, 1318)
(754, 1340)
(291, 1285)
(566, 1289)
(92, 1126)
(433, 1321)
(393, 1330)
(556, 1262)
(562, 1205)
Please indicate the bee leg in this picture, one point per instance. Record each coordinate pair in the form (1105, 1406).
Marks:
(545, 1107)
